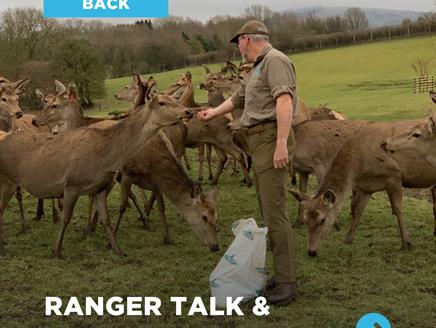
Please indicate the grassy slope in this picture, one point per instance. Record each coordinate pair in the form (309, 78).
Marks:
(339, 286)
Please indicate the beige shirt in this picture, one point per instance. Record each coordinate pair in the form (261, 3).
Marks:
(272, 75)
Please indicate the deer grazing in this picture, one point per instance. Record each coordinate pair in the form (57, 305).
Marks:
(79, 161)
(154, 167)
(365, 164)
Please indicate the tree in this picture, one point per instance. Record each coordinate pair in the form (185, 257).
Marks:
(313, 24)
(334, 24)
(80, 61)
(356, 19)
(261, 13)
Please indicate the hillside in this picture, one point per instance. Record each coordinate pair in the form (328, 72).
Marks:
(370, 81)
(376, 17)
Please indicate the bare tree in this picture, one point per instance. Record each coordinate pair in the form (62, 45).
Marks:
(421, 65)
(356, 19)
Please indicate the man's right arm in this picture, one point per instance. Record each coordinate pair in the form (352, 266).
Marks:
(224, 108)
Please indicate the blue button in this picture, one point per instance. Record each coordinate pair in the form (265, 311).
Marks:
(371, 319)
(106, 8)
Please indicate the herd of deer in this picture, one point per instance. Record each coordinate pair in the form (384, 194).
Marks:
(72, 155)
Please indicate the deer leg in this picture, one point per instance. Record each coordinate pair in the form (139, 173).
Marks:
(395, 194)
(302, 186)
(24, 225)
(234, 168)
(185, 157)
(166, 230)
(139, 208)
(222, 159)
(70, 199)
(150, 203)
(90, 227)
(358, 203)
(39, 210)
(247, 179)
(433, 194)
(126, 187)
(209, 160)
(54, 211)
(100, 201)
(200, 161)
(7, 191)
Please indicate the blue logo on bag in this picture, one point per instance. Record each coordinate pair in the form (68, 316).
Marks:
(260, 270)
(213, 284)
(231, 259)
(370, 320)
(248, 234)
(106, 8)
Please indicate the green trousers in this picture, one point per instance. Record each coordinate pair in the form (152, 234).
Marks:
(270, 189)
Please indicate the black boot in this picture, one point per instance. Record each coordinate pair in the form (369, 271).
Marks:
(270, 283)
(283, 294)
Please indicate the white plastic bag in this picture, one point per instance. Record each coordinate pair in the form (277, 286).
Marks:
(241, 271)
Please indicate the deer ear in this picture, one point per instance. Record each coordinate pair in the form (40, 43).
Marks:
(72, 92)
(433, 96)
(431, 122)
(329, 197)
(188, 76)
(206, 69)
(60, 87)
(299, 196)
(151, 92)
(138, 80)
(196, 191)
(40, 94)
(19, 85)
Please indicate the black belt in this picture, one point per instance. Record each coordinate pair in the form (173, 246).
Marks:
(261, 127)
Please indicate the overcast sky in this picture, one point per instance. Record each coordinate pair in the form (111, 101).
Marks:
(203, 9)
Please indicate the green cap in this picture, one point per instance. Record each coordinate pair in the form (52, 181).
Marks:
(251, 27)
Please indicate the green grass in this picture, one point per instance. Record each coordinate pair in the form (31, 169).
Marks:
(369, 81)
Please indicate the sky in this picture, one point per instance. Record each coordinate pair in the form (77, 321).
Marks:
(204, 9)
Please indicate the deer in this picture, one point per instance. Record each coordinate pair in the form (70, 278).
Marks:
(81, 161)
(364, 165)
(418, 141)
(153, 167)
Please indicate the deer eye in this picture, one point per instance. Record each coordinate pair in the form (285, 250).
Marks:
(4, 99)
(322, 221)
(416, 135)
(204, 218)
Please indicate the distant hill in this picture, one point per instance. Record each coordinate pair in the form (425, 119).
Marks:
(376, 17)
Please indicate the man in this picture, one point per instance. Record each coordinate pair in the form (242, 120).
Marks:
(268, 98)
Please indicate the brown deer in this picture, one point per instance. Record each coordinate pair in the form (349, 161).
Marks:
(163, 174)
(80, 161)
(364, 165)
(154, 167)
(418, 141)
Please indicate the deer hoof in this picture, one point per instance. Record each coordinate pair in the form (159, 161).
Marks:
(337, 227)
(297, 224)
(406, 245)
(210, 177)
(200, 179)
(168, 241)
(37, 218)
(57, 254)
(348, 241)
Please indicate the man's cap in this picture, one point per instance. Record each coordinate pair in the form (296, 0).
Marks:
(251, 27)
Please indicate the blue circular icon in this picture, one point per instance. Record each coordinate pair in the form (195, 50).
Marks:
(373, 320)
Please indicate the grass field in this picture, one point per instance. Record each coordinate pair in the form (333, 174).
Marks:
(371, 81)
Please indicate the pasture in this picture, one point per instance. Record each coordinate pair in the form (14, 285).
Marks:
(370, 81)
